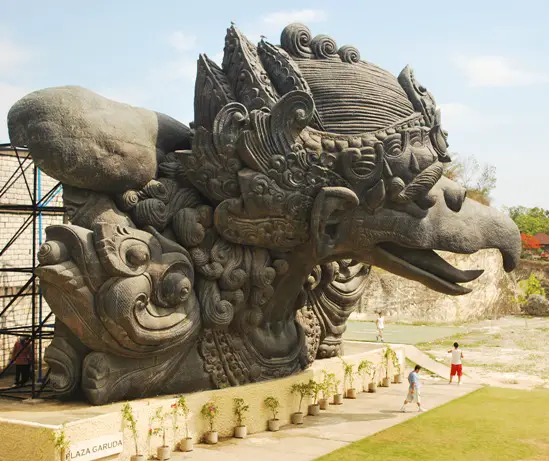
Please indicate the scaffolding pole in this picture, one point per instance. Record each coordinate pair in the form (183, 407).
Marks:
(40, 326)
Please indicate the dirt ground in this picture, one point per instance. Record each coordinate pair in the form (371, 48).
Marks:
(512, 351)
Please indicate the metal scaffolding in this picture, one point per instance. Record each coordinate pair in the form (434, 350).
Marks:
(42, 323)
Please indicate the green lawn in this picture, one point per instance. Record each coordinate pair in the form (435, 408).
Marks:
(489, 424)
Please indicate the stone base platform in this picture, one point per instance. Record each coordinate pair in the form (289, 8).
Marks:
(26, 428)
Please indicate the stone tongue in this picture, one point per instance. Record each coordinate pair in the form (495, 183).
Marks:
(431, 262)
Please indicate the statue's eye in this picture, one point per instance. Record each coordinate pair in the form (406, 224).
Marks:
(137, 255)
(393, 145)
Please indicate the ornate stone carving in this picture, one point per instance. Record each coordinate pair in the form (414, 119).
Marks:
(235, 251)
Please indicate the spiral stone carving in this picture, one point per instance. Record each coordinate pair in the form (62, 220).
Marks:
(296, 40)
(127, 200)
(323, 46)
(151, 212)
(349, 54)
(53, 252)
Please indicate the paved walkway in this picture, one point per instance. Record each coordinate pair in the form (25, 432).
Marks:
(396, 333)
(333, 429)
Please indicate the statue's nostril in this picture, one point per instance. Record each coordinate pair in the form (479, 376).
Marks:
(454, 197)
(427, 201)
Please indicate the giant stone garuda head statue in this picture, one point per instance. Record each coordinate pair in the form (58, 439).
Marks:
(234, 251)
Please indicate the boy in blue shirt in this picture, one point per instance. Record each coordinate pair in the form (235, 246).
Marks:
(414, 394)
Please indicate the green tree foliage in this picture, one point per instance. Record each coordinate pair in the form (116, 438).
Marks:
(530, 221)
(479, 181)
(530, 286)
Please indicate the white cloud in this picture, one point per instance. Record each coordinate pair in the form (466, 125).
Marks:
(9, 94)
(497, 71)
(182, 42)
(457, 116)
(283, 18)
(13, 56)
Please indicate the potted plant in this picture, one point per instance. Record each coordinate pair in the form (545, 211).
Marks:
(240, 409)
(209, 411)
(397, 378)
(130, 423)
(372, 385)
(273, 404)
(302, 390)
(61, 443)
(325, 384)
(163, 452)
(364, 370)
(314, 389)
(387, 361)
(185, 444)
(350, 392)
(333, 388)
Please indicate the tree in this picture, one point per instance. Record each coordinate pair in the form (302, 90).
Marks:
(530, 221)
(529, 242)
(530, 286)
(478, 181)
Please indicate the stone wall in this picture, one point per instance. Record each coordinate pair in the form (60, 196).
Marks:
(493, 294)
(539, 268)
(19, 254)
(84, 423)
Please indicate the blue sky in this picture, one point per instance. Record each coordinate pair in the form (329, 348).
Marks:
(486, 62)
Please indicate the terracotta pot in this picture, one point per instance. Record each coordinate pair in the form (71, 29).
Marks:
(297, 418)
(397, 379)
(211, 438)
(323, 403)
(386, 382)
(274, 425)
(186, 445)
(338, 399)
(351, 394)
(314, 410)
(163, 453)
(372, 387)
(137, 458)
(240, 432)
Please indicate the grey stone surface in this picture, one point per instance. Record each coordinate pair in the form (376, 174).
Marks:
(235, 252)
(537, 306)
(88, 141)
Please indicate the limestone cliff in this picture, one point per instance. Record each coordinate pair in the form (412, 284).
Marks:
(493, 293)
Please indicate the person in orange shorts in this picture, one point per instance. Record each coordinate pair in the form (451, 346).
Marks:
(457, 366)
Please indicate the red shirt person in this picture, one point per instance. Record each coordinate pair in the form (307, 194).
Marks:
(22, 356)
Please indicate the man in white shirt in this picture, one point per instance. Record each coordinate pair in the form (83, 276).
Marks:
(457, 367)
(380, 324)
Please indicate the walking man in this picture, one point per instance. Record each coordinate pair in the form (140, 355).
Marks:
(22, 356)
(414, 394)
(380, 324)
(457, 367)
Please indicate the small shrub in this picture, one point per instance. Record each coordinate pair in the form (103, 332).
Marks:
(301, 389)
(349, 374)
(331, 384)
(273, 404)
(210, 411)
(159, 419)
(390, 356)
(130, 423)
(364, 370)
(180, 408)
(240, 409)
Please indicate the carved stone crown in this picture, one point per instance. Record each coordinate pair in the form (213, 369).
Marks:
(342, 84)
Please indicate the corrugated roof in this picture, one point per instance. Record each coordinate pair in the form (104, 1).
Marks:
(542, 238)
